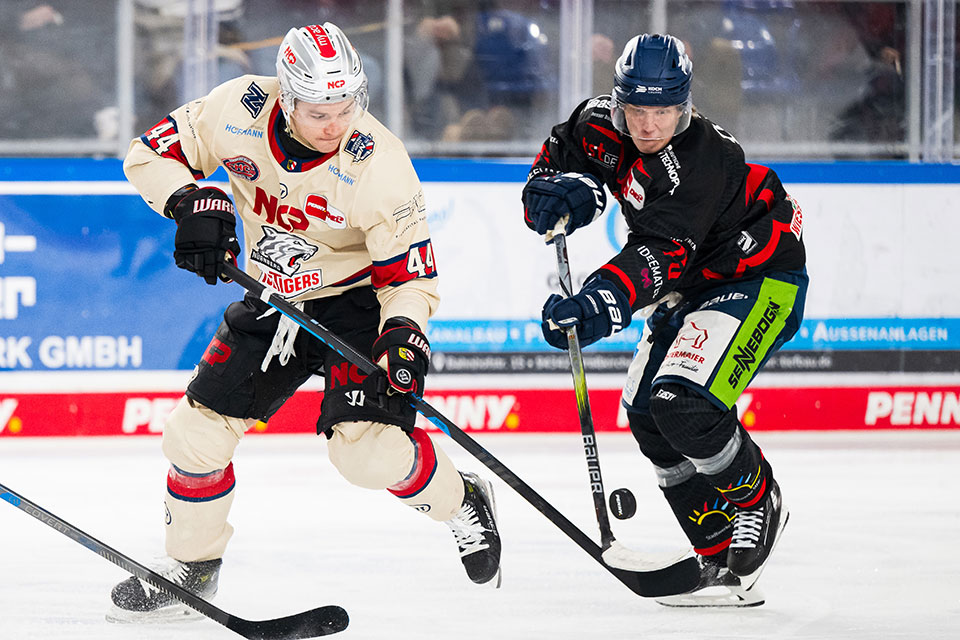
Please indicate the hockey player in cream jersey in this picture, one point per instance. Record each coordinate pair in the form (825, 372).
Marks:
(334, 219)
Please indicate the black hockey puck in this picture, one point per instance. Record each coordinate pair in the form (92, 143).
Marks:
(622, 504)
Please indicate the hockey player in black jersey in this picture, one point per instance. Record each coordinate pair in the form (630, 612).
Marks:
(715, 260)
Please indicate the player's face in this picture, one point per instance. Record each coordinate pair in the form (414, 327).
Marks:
(651, 127)
(322, 125)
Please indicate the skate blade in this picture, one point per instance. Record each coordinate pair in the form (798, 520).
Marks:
(172, 614)
(716, 597)
(498, 579)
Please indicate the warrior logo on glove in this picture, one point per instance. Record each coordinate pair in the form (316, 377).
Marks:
(206, 230)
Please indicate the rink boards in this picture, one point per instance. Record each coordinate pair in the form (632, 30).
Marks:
(87, 287)
(501, 410)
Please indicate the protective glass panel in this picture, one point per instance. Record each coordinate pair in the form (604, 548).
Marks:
(790, 78)
(817, 79)
(57, 70)
(247, 37)
(480, 73)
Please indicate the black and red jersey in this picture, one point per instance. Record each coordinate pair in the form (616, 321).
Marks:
(696, 211)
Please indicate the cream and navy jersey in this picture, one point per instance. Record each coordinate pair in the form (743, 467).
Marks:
(696, 212)
(312, 228)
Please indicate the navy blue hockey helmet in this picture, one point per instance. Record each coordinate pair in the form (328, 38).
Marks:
(653, 70)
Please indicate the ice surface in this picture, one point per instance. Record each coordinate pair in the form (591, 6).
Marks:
(870, 551)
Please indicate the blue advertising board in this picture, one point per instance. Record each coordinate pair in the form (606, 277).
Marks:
(87, 280)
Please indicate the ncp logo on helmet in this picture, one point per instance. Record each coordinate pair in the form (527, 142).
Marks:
(322, 84)
(651, 91)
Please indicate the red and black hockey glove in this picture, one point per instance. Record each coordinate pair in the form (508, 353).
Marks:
(402, 351)
(206, 230)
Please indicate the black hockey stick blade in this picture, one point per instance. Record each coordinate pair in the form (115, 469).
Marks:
(679, 577)
(322, 621)
(309, 624)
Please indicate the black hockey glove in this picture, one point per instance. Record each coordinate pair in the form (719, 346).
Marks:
(598, 311)
(206, 230)
(547, 199)
(404, 353)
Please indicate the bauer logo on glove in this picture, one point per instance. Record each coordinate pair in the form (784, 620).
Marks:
(598, 311)
(579, 197)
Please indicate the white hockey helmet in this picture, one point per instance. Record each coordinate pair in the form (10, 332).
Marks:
(317, 64)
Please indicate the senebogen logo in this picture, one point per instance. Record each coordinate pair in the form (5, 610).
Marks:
(746, 355)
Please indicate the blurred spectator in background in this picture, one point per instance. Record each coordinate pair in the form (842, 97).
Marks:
(511, 53)
(879, 111)
(438, 73)
(51, 67)
(716, 87)
(603, 55)
(39, 16)
(160, 53)
(879, 114)
(748, 72)
(503, 75)
(490, 125)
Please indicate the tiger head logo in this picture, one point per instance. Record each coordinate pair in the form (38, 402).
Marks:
(282, 252)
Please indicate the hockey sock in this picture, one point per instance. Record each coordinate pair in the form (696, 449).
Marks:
(197, 508)
(424, 466)
(433, 486)
(705, 517)
(745, 480)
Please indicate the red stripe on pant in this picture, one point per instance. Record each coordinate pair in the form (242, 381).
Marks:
(424, 466)
(200, 487)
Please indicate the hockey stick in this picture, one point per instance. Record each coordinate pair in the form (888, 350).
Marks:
(614, 553)
(322, 621)
(677, 578)
(559, 239)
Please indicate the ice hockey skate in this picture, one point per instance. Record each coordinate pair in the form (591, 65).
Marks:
(718, 588)
(755, 534)
(136, 601)
(475, 529)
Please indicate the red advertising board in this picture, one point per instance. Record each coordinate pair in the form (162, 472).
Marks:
(502, 410)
